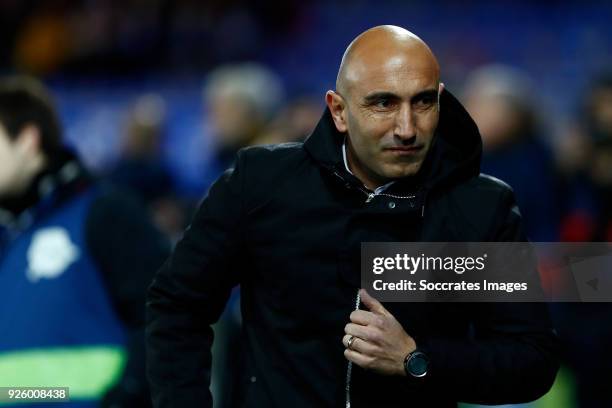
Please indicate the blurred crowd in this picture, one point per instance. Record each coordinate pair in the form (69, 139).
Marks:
(109, 36)
(563, 182)
(559, 167)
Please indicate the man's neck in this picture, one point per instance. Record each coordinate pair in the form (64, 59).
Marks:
(368, 181)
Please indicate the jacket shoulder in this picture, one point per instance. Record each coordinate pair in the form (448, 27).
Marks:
(270, 163)
(482, 205)
(493, 184)
(487, 192)
(487, 189)
(280, 148)
(271, 157)
(264, 169)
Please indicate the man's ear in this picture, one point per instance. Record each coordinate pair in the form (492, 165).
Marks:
(440, 90)
(337, 107)
(29, 140)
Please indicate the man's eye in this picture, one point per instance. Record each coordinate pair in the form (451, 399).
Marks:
(383, 103)
(426, 101)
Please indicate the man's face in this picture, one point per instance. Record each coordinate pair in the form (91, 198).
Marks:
(391, 115)
(234, 119)
(13, 160)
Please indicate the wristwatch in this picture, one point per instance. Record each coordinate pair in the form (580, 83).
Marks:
(416, 364)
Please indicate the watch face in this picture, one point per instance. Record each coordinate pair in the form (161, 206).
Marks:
(417, 364)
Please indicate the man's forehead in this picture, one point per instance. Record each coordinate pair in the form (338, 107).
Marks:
(386, 55)
(396, 73)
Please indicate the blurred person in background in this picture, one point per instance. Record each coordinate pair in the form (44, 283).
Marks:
(141, 168)
(76, 256)
(585, 329)
(240, 100)
(586, 158)
(294, 122)
(599, 127)
(501, 101)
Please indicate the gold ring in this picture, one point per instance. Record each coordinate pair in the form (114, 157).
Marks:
(350, 341)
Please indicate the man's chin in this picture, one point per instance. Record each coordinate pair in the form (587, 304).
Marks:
(403, 171)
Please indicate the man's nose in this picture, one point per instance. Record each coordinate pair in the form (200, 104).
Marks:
(405, 128)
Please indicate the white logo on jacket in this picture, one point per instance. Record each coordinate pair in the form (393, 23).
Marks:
(50, 253)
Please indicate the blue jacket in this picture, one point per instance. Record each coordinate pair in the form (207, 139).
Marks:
(72, 287)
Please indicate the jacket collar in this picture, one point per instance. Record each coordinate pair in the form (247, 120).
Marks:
(63, 177)
(454, 156)
(325, 143)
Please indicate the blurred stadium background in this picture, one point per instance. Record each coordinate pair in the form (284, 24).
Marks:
(100, 56)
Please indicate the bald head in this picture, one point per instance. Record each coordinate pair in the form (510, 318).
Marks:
(387, 104)
(382, 46)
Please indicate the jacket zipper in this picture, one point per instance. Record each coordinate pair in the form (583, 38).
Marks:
(349, 367)
(370, 195)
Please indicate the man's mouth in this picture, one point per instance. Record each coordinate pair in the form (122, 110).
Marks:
(404, 150)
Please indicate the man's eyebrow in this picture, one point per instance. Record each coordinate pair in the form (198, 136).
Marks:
(428, 93)
(379, 95)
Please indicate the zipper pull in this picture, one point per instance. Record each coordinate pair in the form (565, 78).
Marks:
(370, 197)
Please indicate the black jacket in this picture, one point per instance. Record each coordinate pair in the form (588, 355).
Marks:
(286, 224)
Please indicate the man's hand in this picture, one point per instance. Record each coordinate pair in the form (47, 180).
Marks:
(380, 342)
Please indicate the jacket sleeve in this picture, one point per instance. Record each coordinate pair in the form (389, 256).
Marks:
(512, 355)
(189, 293)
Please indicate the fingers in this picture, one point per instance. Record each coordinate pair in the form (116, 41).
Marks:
(364, 318)
(363, 332)
(374, 305)
(362, 360)
(359, 345)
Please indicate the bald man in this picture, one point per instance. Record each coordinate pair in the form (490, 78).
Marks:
(395, 157)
